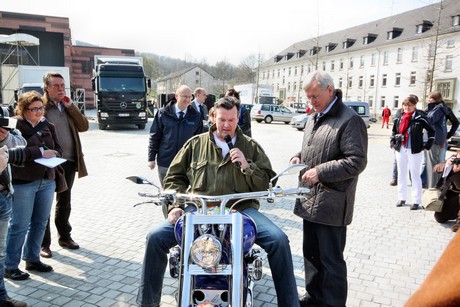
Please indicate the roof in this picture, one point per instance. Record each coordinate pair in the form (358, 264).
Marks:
(179, 73)
(19, 39)
(403, 26)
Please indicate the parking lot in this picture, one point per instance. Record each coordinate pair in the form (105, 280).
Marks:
(389, 250)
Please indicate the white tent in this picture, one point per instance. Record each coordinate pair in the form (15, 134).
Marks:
(17, 41)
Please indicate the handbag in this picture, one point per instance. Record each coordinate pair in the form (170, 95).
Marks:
(432, 199)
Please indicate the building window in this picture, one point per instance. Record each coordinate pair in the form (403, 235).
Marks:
(351, 62)
(360, 82)
(415, 54)
(279, 74)
(456, 20)
(341, 64)
(451, 43)
(332, 65)
(400, 55)
(289, 72)
(324, 65)
(385, 58)
(359, 98)
(398, 79)
(382, 101)
(308, 68)
(289, 86)
(340, 83)
(197, 73)
(372, 81)
(373, 59)
(431, 50)
(273, 74)
(384, 80)
(295, 71)
(197, 81)
(371, 100)
(284, 80)
(361, 61)
(295, 86)
(350, 82)
(413, 77)
(396, 102)
(449, 60)
(301, 70)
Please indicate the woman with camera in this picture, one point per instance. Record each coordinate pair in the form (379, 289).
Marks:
(451, 205)
(407, 141)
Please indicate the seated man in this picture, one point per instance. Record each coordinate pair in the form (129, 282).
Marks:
(206, 165)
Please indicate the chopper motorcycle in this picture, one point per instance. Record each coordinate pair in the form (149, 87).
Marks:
(215, 260)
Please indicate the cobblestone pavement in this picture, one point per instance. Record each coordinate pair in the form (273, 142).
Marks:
(389, 250)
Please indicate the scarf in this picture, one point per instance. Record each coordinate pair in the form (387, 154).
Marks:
(404, 126)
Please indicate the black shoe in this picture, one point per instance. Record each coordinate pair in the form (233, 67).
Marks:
(394, 182)
(414, 207)
(16, 274)
(400, 203)
(15, 303)
(70, 244)
(307, 301)
(38, 266)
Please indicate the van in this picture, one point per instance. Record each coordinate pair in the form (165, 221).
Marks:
(298, 107)
(362, 108)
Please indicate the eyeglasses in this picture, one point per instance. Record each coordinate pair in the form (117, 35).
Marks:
(185, 96)
(35, 110)
(58, 86)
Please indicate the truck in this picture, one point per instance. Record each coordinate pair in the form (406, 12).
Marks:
(120, 89)
(17, 79)
(251, 93)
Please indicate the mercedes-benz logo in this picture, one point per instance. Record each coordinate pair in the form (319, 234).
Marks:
(123, 105)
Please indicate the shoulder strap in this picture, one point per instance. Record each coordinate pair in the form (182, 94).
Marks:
(37, 128)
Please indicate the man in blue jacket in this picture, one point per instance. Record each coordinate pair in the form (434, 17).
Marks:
(172, 126)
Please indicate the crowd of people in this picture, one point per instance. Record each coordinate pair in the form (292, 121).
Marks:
(420, 140)
(184, 134)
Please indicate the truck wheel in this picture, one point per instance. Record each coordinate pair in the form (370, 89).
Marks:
(102, 127)
(268, 119)
(141, 126)
(258, 120)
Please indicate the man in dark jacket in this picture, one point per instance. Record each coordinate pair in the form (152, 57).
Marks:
(335, 151)
(172, 126)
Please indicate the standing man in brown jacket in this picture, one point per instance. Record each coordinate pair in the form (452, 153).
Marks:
(335, 151)
(69, 121)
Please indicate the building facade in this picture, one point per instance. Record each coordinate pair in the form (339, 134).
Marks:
(193, 77)
(380, 62)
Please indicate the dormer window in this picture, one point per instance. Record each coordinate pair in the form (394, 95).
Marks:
(423, 27)
(394, 33)
(315, 50)
(348, 43)
(301, 53)
(369, 38)
(277, 58)
(289, 55)
(330, 47)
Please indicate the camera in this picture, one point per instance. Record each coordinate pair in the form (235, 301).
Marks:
(456, 161)
(8, 123)
(399, 137)
(17, 156)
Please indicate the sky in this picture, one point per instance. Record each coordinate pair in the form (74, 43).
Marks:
(209, 30)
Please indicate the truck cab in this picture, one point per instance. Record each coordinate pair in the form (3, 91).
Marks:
(120, 88)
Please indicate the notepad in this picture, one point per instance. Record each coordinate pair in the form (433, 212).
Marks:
(50, 162)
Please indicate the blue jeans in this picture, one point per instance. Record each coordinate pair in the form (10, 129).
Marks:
(31, 209)
(5, 213)
(271, 238)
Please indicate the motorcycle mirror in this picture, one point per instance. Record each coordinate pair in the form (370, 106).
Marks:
(291, 169)
(142, 180)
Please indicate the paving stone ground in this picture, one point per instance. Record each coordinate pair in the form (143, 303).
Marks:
(389, 250)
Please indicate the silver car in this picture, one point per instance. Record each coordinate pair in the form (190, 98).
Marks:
(271, 112)
(299, 121)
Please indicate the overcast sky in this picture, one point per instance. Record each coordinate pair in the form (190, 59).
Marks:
(209, 30)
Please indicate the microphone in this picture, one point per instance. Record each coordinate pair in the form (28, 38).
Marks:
(228, 140)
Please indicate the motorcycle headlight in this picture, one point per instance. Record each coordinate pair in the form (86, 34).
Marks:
(206, 251)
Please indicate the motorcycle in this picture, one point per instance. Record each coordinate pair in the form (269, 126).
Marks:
(215, 261)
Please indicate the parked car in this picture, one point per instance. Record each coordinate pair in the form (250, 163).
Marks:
(271, 112)
(299, 121)
(362, 108)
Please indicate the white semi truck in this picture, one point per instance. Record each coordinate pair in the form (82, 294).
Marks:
(120, 89)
